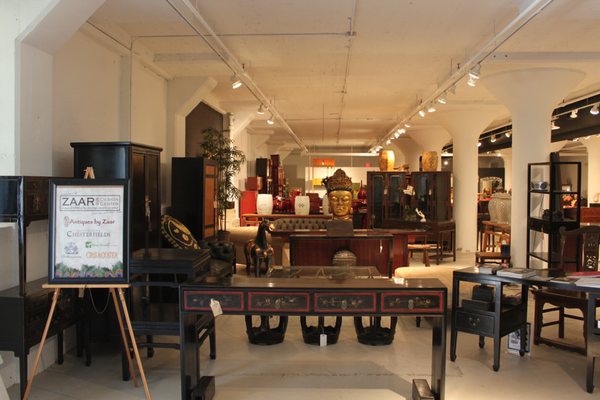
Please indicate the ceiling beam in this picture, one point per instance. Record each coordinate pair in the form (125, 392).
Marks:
(191, 15)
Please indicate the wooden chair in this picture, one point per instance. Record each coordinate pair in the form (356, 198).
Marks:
(495, 235)
(586, 240)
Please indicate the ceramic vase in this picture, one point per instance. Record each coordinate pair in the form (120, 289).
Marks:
(499, 208)
(386, 160)
(302, 205)
(429, 161)
(264, 204)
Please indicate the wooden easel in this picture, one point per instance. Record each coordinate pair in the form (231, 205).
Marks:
(112, 288)
(89, 174)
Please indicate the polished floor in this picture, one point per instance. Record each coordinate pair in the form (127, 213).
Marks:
(293, 370)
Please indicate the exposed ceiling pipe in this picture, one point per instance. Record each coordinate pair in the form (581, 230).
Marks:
(490, 47)
(347, 69)
(191, 15)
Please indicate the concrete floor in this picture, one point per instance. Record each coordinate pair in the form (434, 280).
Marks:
(347, 370)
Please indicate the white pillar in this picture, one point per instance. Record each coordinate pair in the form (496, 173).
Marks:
(593, 187)
(530, 95)
(465, 126)
(431, 138)
(507, 157)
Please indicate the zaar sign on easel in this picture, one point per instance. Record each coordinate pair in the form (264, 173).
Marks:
(88, 231)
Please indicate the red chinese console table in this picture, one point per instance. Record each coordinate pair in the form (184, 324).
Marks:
(241, 295)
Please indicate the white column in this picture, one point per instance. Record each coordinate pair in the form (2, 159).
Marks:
(530, 95)
(593, 187)
(507, 157)
(465, 126)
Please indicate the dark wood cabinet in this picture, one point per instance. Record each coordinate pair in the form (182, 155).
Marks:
(553, 201)
(141, 165)
(370, 249)
(263, 170)
(393, 197)
(24, 308)
(432, 194)
(385, 197)
(193, 195)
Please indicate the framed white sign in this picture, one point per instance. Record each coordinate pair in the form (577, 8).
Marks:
(88, 224)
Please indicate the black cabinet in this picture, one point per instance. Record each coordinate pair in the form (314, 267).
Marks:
(385, 198)
(24, 308)
(193, 195)
(393, 197)
(432, 194)
(553, 201)
(141, 165)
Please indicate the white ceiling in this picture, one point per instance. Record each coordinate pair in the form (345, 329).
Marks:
(336, 89)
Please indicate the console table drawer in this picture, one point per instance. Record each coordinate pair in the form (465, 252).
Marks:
(345, 302)
(277, 301)
(200, 300)
(475, 323)
(417, 302)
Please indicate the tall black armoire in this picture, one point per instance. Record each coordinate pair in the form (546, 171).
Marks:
(137, 162)
(193, 188)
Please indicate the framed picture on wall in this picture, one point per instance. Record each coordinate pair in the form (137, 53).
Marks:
(88, 225)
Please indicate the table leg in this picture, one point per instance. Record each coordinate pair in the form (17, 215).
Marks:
(590, 348)
(438, 357)
(453, 331)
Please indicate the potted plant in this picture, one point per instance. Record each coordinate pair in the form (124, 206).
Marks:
(215, 146)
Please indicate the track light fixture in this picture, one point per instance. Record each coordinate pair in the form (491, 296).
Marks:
(507, 134)
(493, 138)
(478, 144)
(431, 108)
(407, 125)
(574, 114)
(594, 110)
(442, 99)
(422, 113)
(554, 126)
(475, 72)
(260, 110)
(389, 141)
(472, 81)
(270, 121)
(235, 82)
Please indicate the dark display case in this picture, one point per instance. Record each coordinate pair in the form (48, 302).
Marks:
(553, 201)
(24, 308)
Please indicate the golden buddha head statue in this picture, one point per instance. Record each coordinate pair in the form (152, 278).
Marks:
(339, 193)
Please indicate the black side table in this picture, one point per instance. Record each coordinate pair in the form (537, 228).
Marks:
(496, 323)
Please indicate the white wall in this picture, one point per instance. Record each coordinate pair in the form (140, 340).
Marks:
(86, 98)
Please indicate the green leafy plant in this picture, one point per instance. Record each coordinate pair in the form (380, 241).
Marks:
(215, 146)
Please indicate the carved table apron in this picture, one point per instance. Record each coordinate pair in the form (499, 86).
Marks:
(242, 295)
